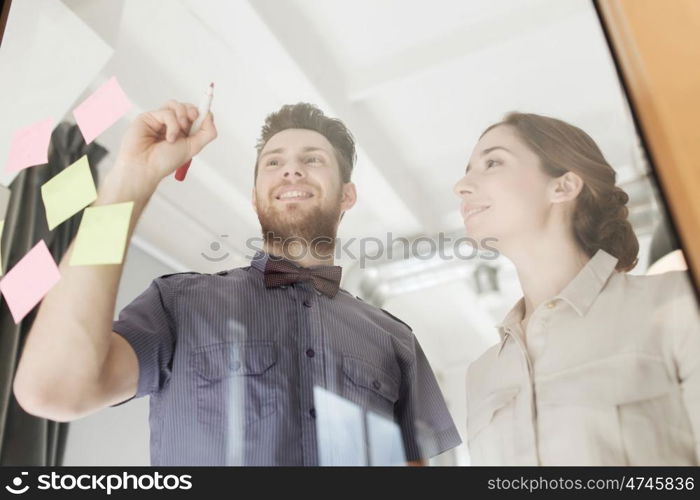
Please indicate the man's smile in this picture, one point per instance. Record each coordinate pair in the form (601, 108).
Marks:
(293, 193)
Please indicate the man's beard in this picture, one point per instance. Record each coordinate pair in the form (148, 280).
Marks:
(314, 229)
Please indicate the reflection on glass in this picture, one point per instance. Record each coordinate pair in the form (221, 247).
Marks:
(339, 430)
(384, 441)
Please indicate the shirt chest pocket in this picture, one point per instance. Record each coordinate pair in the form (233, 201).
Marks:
(628, 410)
(235, 383)
(372, 388)
(491, 427)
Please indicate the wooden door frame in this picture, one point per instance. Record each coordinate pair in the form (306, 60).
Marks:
(656, 48)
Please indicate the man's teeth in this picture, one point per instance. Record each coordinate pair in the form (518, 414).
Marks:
(294, 194)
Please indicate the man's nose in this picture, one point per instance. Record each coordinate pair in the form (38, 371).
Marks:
(292, 170)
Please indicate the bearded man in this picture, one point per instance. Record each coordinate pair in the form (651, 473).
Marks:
(231, 360)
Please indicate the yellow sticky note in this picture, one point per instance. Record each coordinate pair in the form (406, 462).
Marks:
(101, 237)
(69, 192)
(2, 226)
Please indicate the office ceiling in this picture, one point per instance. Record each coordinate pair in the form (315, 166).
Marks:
(415, 81)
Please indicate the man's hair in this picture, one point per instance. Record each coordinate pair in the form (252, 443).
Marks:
(307, 116)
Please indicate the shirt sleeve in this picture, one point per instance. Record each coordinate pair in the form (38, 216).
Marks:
(426, 425)
(686, 331)
(146, 324)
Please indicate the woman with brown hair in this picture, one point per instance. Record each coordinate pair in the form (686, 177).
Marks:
(594, 366)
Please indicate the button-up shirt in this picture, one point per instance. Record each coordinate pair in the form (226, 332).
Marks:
(230, 367)
(608, 373)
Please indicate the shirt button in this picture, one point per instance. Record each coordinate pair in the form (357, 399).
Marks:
(312, 412)
(550, 305)
(307, 303)
(377, 384)
(236, 366)
(310, 353)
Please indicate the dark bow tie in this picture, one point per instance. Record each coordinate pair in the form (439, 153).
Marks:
(325, 279)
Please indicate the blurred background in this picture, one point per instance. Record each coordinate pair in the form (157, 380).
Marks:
(415, 81)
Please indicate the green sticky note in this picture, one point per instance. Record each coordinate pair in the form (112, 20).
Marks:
(101, 237)
(69, 192)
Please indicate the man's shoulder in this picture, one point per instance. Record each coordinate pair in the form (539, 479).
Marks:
(178, 274)
(185, 279)
(196, 274)
(398, 320)
(380, 312)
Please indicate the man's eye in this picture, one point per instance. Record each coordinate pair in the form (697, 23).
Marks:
(271, 163)
(313, 159)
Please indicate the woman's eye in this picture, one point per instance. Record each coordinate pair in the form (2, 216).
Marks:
(313, 159)
(271, 163)
(491, 163)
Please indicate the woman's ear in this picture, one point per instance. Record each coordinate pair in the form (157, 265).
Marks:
(565, 187)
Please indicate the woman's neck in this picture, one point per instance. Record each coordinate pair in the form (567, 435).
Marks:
(545, 267)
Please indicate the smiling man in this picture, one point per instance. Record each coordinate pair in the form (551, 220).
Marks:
(302, 183)
(231, 360)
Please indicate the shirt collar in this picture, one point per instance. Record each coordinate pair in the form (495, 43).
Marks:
(580, 293)
(514, 316)
(259, 260)
(588, 283)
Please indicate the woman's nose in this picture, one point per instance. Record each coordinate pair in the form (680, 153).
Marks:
(462, 187)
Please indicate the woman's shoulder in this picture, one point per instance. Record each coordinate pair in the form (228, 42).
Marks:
(667, 277)
(671, 282)
(669, 297)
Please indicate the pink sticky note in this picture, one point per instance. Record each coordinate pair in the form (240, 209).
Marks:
(101, 110)
(30, 146)
(32, 277)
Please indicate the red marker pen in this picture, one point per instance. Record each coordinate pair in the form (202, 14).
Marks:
(204, 106)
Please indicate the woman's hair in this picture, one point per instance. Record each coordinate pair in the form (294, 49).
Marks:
(600, 214)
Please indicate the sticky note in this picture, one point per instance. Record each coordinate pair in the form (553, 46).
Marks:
(29, 281)
(30, 146)
(102, 235)
(68, 192)
(101, 110)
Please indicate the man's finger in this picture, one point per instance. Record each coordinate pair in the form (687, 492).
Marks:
(180, 110)
(192, 111)
(168, 118)
(206, 133)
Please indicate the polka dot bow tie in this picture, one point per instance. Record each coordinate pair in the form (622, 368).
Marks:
(325, 279)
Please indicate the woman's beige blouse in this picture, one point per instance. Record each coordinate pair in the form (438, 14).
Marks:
(610, 376)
